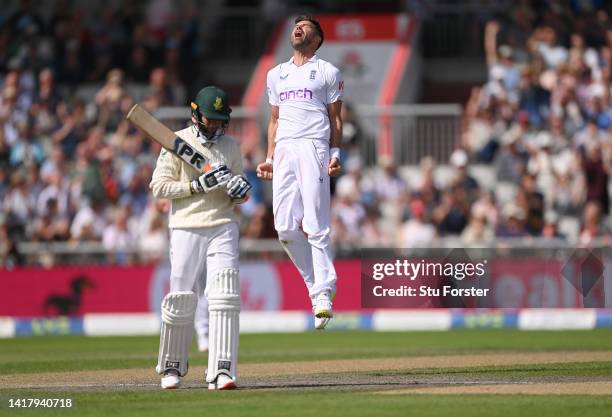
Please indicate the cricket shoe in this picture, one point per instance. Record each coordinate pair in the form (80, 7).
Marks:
(323, 306)
(320, 323)
(170, 380)
(222, 382)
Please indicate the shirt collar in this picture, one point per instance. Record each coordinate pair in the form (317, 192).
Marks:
(313, 58)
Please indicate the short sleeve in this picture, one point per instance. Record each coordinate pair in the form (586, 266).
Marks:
(271, 87)
(335, 85)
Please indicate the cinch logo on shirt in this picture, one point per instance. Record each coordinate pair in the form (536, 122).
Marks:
(293, 94)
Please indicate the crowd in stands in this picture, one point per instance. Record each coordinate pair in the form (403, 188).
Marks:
(73, 170)
(541, 127)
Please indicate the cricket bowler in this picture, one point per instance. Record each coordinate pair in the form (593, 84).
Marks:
(203, 243)
(304, 136)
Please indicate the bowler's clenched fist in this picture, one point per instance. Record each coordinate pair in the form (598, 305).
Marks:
(264, 171)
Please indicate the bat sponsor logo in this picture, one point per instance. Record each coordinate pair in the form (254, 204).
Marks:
(186, 152)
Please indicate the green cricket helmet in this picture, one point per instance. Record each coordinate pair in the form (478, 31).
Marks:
(211, 102)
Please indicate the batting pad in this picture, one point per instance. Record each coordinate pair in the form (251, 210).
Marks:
(177, 314)
(224, 309)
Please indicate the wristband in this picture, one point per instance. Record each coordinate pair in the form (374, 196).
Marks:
(334, 153)
(269, 160)
(195, 187)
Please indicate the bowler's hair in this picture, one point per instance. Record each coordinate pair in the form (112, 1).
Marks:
(315, 23)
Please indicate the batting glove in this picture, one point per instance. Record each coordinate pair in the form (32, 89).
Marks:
(238, 187)
(211, 180)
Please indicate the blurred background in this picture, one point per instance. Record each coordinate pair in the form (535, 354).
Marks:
(466, 124)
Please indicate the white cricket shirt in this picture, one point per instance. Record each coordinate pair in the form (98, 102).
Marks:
(302, 95)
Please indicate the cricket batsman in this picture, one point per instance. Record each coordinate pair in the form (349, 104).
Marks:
(203, 243)
(304, 136)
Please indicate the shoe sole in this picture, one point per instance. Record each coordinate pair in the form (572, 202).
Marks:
(171, 386)
(323, 325)
(230, 385)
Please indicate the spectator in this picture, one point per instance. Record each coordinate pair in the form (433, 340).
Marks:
(532, 203)
(551, 226)
(451, 216)
(73, 127)
(417, 232)
(27, 150)
(597, 172)
(511, 161)
(56, 161)
(568, 194)
(544, 42)
(540, 165)
(513, 224)
(109, 100)
(592, 227)
(160, 89)
(462, 179)
(348, 210)
(478, 231)
(57, 189)
(154, 242)
(590, 134)
(18, 205)
(351, 132)
(427, 190)
(390, 190)
(486, 206)
(9, 255)
(119, 239)
(52, 225)
(388, 185)
(89, 221)
(372, 234)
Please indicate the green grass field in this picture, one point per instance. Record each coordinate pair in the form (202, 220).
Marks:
(323, 374)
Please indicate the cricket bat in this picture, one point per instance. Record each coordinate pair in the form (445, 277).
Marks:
(161, 134)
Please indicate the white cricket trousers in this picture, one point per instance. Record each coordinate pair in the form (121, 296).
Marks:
(198, 253)
(302, 209)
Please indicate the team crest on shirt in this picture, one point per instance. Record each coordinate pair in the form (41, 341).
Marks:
(313, 74)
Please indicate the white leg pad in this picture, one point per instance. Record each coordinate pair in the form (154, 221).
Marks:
(224, 308)
(177, 312)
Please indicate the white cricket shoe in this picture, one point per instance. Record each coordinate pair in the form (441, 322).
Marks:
(320, 323)
(323, 306)
(222, 382)
(170, 380)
